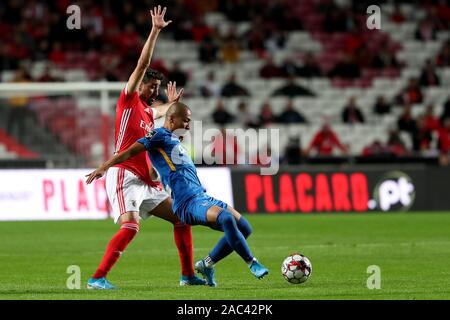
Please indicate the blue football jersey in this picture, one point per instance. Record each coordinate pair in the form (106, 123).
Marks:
(174, 165)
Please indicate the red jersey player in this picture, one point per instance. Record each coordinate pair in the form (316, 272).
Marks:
(131, 191)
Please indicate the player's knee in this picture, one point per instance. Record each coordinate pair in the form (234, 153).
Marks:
(245, 227)
(225, 218)
(129, 217)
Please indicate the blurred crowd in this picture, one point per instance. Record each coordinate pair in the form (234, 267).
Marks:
(112, 34)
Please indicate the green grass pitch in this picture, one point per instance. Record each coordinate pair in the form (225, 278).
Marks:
(411, 249)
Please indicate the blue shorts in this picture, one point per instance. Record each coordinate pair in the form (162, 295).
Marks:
(193, 211)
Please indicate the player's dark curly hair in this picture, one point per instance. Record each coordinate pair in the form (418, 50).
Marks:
(152, 74)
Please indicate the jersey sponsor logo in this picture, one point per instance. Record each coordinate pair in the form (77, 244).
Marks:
(147, 127)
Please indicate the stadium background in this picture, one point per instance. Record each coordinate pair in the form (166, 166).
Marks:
(297, 65)
(291, 65)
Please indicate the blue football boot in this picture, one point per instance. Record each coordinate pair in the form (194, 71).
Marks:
(192, 281)
(207, 272)
(258, 269)
(100, 284)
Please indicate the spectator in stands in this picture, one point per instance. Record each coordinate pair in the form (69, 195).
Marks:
(290, 67)
(346, 68)
(429, 77)
(291, 89)
(210, 87)
(291, 21)
(246, 118)
(108, 73)
(426, 30)
(47, 76)
(266, 115)
(182, 27)
(411, 94)
(381, 106)
(57, 54)
(384, 58)
(335, 21)
(270, 69)
(275, 41)
(293, 151)
(375, 149)
(354, 40)
(6, 61)
(397, 16)
(325, 142)
(406, 121)
(230, 51)
(221, 116)
(177, 75)
(255, 38)
(233, 89)
(200, 29)
(236, 11)
(421, 136)
(431, 122)
(443, 58)
(159, 65)
(395, 144)
(363, 57)
(283, 16)
(310, 68)
(446, 112)
(129, 40)
(440, 14)
(18, 113)
(208, 50)
(352, 113)
(444, 142)
(290, 115)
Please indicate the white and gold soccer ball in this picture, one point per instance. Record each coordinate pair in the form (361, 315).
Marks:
(296, 268)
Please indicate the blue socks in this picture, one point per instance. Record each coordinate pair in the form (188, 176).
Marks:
(234, 239)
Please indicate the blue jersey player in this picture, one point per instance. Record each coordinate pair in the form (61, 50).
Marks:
(190, 202)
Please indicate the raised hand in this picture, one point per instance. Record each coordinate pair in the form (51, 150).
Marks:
(158, 18)
(171, 92)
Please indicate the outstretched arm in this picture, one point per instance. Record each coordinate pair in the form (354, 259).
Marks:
(118, 158)
(158, 24)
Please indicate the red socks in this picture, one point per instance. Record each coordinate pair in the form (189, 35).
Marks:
(115, 248)
(183, 239)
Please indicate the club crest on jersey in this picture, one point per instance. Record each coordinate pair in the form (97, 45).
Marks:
(150, 134)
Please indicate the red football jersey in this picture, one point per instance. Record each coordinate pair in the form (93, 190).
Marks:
(134, 119)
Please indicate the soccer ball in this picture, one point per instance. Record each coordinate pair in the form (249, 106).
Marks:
(296, 268)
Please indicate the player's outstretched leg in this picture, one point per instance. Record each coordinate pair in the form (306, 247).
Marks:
(128, 230)
(222, 248)
(220, 251)
(225, 220)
